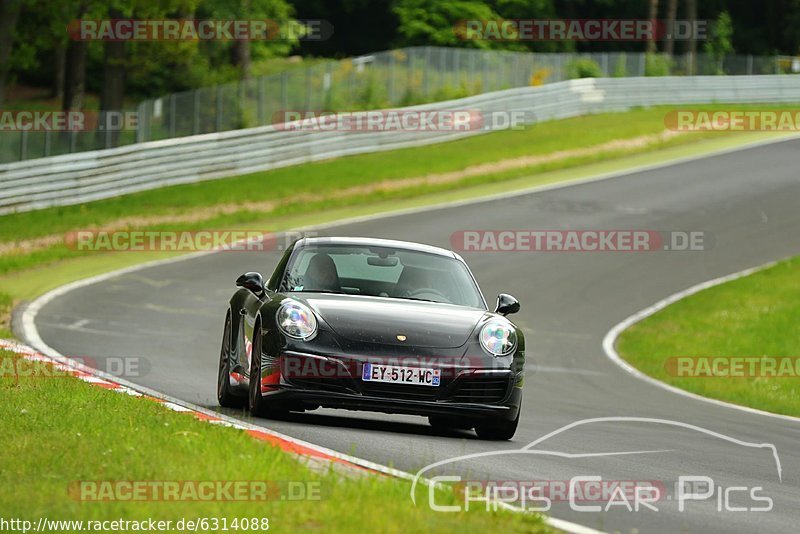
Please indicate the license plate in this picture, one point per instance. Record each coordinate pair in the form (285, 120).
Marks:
(397, 374)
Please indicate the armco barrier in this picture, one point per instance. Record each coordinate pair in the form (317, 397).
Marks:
(83, 177)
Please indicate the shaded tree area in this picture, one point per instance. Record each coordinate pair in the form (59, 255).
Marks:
(363, 26)
(35, 47)
(42, 51)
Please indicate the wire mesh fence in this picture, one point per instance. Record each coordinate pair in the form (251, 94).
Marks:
(395, 78)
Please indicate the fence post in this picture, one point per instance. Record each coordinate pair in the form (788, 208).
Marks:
(139, 119)
(107, 130)
(218, 110)
(284, 90)
(750, 64)
(410, 72)
(642, 64)
(485, 68)
(172, 115)
(471, 74)
(46, 143)
(307, 102)
(456, 67)
(23, 145)
(425, 66)
(195, 112)
(262, 119)
(391, 78)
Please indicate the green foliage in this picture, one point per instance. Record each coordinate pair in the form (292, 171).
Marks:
(583, 68)
(621, 67)
(720, 42)
(422, 22)
(657, 65)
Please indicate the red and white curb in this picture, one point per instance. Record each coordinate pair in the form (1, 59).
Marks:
(99, 379)
(313, 455)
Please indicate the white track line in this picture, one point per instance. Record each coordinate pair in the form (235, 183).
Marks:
(610, 340)
(31, 334)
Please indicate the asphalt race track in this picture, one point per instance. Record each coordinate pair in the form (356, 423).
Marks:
(749, 201)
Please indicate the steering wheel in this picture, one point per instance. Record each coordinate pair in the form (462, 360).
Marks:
(429, 291)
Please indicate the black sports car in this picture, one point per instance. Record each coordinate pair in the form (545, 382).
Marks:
(372, 324)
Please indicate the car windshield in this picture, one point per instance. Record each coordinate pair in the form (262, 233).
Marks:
(381, 272)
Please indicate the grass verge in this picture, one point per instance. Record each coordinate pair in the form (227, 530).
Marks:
(65, 431)
(754, 317)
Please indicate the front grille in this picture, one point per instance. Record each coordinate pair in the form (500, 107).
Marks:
(480, 389)
(400, 391)
(323, 384)
(316, 373)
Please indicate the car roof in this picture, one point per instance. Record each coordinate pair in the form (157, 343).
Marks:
(372, 241)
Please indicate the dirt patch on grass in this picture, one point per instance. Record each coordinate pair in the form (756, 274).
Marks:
(207, 213)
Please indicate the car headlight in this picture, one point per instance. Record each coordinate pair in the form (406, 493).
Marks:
(498, 338)
(296, 320)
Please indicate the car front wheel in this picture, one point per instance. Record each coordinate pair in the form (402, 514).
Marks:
(497, 430)
(260, 406)
(225, 396)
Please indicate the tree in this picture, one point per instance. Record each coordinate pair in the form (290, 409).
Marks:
(113, 92)
(422, 22)
(719, 43)
(242, 53)
(9, 14)
(652, 15)
(691, 44)
(75, 68)
(672, 13)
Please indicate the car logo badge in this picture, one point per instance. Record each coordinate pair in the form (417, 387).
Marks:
(401, 337)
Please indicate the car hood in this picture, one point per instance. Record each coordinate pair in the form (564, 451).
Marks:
(382, 320)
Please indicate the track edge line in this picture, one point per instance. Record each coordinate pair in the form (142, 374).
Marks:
(611, 337)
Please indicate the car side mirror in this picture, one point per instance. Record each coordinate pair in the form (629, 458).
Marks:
(252, 282)
(506, 304)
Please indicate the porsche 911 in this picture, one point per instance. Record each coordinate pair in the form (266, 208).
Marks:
(376, 325)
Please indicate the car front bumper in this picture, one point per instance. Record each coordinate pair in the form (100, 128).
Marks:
(464, 392)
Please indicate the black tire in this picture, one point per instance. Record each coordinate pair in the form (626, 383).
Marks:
(259, 406)
(441, 422)
(497, 430)
(225, 395)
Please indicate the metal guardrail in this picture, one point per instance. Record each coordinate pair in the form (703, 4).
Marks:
(87, 176)
(395, 78)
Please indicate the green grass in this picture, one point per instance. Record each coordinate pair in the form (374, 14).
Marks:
(58, 430)
(755, 316)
